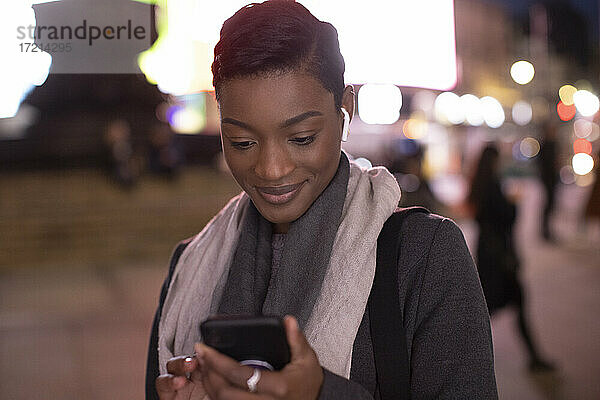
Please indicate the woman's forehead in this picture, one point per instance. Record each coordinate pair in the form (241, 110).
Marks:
(278, 95)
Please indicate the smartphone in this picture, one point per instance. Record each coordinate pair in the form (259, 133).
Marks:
(259, 342)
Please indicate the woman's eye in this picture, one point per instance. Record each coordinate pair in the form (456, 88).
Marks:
(304, 140)
(242, 145)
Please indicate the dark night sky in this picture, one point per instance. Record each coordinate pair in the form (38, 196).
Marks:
(587, 8)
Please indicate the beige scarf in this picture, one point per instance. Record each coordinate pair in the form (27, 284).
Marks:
(201, 272)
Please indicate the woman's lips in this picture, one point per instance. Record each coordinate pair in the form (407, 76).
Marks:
(279, 194)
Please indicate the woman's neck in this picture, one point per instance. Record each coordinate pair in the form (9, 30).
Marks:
(281, 227)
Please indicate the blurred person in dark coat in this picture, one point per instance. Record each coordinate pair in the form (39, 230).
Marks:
(497, 261)
(119, 151)
(592, 210)
(165, 155)
(548, 174)
(406, 163)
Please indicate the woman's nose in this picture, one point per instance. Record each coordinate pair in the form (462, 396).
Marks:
(273, 164)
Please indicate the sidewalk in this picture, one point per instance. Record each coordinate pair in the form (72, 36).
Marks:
(81, 333)
(76, 333)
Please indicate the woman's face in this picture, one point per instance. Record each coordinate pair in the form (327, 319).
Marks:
(281, 139)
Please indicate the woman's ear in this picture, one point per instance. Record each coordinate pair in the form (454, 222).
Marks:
(348, 100)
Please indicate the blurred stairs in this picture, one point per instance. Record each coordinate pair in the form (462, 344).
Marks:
(81, 217)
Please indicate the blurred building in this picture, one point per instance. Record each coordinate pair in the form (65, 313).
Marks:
(65, 119)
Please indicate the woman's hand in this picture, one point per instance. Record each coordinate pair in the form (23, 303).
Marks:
(183, 381)
(225, 378)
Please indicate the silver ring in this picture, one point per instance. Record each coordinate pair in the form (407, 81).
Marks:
(253, 380)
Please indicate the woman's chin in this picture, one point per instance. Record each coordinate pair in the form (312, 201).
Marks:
(279, 214)
(276, 217)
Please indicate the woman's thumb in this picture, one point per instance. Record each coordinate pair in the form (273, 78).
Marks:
(296, 340)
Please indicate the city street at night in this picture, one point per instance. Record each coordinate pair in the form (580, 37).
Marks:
(311, 151)
(95, 318)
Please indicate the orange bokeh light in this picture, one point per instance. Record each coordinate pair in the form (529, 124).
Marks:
(566, 113)
(582, 146)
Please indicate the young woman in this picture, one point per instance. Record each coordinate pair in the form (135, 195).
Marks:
(301, 240)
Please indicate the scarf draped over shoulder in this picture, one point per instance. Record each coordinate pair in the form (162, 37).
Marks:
(325, 275)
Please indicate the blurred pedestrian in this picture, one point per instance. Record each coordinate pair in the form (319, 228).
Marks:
(548, 174)
(592, 210)
(119, 150)
(165, 156)
(497, 260)
(406, 163)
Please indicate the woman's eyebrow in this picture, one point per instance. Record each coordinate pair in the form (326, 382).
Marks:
(298, 118)
(237, 123)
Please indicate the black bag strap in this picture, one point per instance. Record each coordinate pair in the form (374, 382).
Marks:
(392, 365)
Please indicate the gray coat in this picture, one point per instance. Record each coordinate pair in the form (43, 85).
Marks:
(445, 320)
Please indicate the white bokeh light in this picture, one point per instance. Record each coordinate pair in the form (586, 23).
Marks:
(379, 103)
(366, 29)
(586, 103)
(522, 72)
(493, 113)
(582, 163)
(448, 108)
(522, 113)
(472, 109)
(20, 70)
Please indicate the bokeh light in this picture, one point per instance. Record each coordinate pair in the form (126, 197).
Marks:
(584, 180)
(188, 117)
(379, 103)
(522, 72)
(529, 147)
(582, 146)
(583, 84)
(189, 29)
(567, 176)
(493, 113)
(582, 163)
(565, 113)
(586, 102)
(179, 60)
(522, 113)
(415, 128)
(472, 109)
(566, 93)
(595, 135)
(583, 128)
(20, 70)
(365, 29)
(448, 109)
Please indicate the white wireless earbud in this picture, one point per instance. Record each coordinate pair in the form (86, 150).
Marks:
(346, 124)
